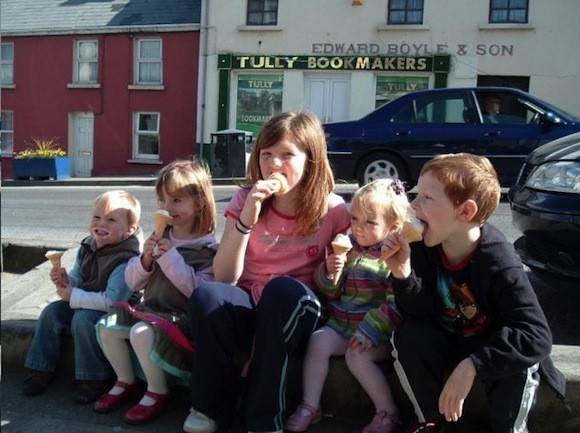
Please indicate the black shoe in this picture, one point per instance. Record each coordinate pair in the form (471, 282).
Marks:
(90, 390)
(36, 382)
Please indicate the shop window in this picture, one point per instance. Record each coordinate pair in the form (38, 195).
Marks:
(508, 11)
(146, 137)
(259, 98)
(7, 64)
(391, 87)
(405, 12)
(86, 62)
(262, 13)
(7, 132)
(519, 82)
(149, 62)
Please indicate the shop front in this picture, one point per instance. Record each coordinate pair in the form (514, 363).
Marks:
(252, 88)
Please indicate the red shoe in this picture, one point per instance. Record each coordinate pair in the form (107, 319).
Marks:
(301, 419)
(140, 414)
(109, 402)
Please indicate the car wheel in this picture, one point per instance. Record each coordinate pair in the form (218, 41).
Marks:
(380, 166)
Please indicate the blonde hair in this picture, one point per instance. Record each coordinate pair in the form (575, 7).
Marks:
(385, 197)
(465, 176)
(119, 199)
(305, 131)
(190, 178)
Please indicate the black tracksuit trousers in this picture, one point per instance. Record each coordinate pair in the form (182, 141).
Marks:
(425, 355)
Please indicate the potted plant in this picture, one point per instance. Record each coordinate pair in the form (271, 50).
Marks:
(43, 159)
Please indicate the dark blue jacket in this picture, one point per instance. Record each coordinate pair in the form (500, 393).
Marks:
(517, 334)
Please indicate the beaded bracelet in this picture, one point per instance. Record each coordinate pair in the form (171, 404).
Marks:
(242, 231)
(243, 225)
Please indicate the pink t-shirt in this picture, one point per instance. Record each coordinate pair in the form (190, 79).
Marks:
(274, 249)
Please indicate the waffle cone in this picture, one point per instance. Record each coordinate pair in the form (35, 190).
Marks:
(162, 220)
(55, 258)
(411, 233)
(339, 249)
(340, 246)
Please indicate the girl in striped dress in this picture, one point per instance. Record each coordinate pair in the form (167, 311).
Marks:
(361, 308)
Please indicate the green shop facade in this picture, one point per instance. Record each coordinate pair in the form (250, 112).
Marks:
(255, 84)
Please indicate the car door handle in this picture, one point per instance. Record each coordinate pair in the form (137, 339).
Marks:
(492, 134)
(404, 133)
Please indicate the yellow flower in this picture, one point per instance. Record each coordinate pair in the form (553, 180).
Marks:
(43, 148)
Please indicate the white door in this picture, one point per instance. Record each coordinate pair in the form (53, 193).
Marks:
(82, 158)
(328, 97)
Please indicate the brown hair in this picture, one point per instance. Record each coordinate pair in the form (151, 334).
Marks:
(385, 198)
(466, 176)
(119, 199)
(190, 178)
(305, 131)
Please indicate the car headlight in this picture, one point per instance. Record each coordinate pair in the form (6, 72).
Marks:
(561, 176)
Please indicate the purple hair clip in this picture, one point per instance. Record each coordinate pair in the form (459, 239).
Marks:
(398, 186)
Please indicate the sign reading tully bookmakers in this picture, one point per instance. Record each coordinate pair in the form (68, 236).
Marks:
(437, 63)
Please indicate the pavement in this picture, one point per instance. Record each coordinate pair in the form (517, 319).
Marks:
(346, 406)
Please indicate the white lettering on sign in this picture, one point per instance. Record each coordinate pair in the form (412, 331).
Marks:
(266, 62)
(369, 63)
(260, 84)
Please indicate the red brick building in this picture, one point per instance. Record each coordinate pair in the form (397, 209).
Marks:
(114, 84)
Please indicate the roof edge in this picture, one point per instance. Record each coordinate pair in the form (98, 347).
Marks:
(163, 28)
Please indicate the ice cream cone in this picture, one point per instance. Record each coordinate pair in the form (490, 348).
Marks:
(281, 183)
(340, 246)
(412, 231)
(162, 219)
(55, 258)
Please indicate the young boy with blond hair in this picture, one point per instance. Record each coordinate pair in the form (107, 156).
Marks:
(468, 306)
(95, 282)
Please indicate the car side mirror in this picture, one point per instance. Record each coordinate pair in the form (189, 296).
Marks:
(549, 119)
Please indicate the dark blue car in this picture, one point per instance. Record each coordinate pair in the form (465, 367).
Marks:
(397, 138)
(545, 203)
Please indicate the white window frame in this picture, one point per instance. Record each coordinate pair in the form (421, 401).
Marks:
(142, 61)
(509, 13)
(260, 8)
(7, 132)
(144, 133)
(7, 64)
(408, 9)
(80, 62)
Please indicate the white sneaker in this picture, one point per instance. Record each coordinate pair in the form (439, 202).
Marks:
(197, 422)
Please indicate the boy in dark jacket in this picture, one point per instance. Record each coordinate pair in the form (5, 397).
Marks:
(86, 293)
(469, 308)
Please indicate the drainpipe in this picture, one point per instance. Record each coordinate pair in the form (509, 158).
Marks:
(204, 44)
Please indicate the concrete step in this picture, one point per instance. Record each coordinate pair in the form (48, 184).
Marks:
(343, 396)
(24, 297)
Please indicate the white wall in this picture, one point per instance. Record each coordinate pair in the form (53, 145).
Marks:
(546, 49)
